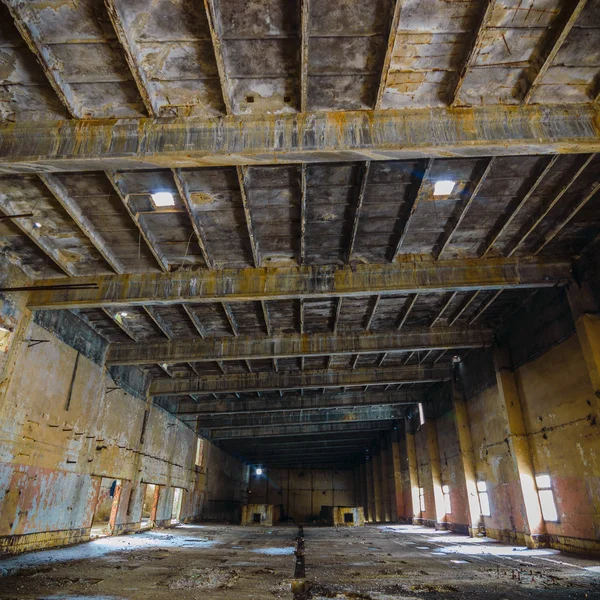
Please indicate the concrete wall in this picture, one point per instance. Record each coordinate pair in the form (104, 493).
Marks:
(302, 492)
(452, 472)
(561, 414)
(225, 481)
(65, 424)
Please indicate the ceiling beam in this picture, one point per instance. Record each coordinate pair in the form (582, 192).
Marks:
(351, 439)
(58, 190)
(213, 25)
(304, 36)
(127, 45)
(295, 345)
(25, 17)
(456, 219)
(359, 202)
(241, 174)
(299, 430)
(263, 381)
(389, 51)
(184, 194)
(312, 137)
(565, 188)
(484, 19)
(558, 227)
(311, 416)
(37, 237)
(296, 402)
(501, 228)
(145, 232)
(532, 77)
(230, 285)
(422, 193)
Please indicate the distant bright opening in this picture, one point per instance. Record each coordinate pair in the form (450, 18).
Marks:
(37, 225)
(422, 499)
(123, 314)
(546, 495)
(162, 199)
(447, 504)
(259, 471)
(484, 500)
(443, 188)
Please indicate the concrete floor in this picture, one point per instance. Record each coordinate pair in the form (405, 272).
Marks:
(232, 562)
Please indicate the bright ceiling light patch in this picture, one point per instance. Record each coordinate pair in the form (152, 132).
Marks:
(443, 188)
(161, 199)
(259, 471)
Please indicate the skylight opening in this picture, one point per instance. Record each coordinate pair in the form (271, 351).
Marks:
(162, 199)
(443, 188)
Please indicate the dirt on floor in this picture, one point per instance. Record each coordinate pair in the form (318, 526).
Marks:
(361, 563)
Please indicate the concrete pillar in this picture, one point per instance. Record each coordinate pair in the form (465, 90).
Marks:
(357, 488)
(390, 481)
(411, 452)
(376, 466)
(518, 441)
(396, 480)
(385, 483)
(586, 315)
(362, 477)
(433, 451)
(370, 490)
(467, 455)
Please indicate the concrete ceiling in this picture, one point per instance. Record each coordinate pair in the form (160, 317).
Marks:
(242, 111)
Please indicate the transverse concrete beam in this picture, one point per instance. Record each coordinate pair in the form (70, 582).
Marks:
(293, 402)
(306, 282)
(251, 382)
(307, 137)
(334, 415)
(285, 346)
(298, 430)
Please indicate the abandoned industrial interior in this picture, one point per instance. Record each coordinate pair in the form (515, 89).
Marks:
(299, 299)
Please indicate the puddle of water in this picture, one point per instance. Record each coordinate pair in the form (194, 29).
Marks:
(460, 562)
(275, 551)
(423, 548)
(595, 569)
(496, 549)
(79, 598)
(98, 548)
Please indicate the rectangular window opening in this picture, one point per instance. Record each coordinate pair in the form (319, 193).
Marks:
(447, 503)
(484, 500)
(422, 499)
(199, 451)
(546, 496)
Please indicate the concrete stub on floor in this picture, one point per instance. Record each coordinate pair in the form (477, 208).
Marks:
(344, 516)
(260, 514)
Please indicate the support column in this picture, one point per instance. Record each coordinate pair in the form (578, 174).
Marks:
(364, 498)
(370, 489)
(357, 489)
(376, 461)
(385, 482)
(586, 315)
(411, 452)
(467, 455)
(396, 479)
(518, 441)
(433, 451)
